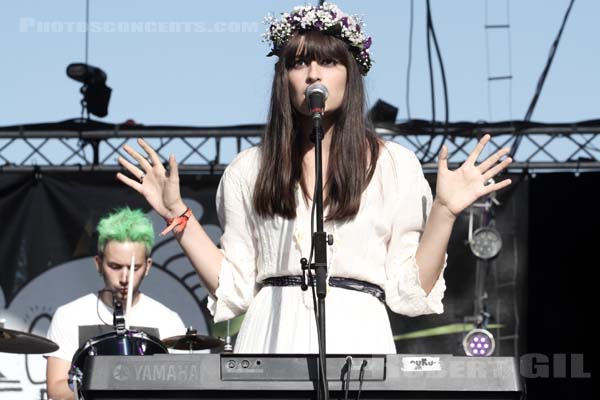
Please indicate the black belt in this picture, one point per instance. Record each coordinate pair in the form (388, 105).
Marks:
(334, 281)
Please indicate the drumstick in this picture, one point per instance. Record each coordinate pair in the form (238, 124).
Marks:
(129, 292)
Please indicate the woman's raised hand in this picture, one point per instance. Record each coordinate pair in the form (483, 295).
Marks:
(159, 186)
(458, 189)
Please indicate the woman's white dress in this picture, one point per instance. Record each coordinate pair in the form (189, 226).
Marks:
(377, 246)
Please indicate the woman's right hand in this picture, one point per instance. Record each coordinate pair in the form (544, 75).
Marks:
(159, 186)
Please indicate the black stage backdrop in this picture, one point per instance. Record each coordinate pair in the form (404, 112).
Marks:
(49, 218)
(561, 292)
(539, 287)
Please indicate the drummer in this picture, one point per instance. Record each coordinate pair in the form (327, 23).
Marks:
(121, 234)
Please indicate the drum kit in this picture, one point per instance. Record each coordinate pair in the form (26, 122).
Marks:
(123, 342)
(131, 342)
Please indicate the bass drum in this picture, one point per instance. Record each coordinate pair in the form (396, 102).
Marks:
(129, 343)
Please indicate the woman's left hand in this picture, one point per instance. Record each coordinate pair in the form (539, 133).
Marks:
(458, 189)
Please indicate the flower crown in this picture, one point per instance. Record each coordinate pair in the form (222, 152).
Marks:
(326, 18)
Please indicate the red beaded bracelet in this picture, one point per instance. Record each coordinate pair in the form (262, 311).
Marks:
(177, 224)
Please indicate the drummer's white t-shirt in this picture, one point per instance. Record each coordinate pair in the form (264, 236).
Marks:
(89, 310)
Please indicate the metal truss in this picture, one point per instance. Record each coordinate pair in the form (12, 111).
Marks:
(81, 145)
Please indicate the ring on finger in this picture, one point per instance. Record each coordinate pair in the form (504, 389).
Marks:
(141, 178)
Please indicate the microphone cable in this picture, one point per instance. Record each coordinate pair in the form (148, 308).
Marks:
(98, 294)
(361, 376)
(347, 378)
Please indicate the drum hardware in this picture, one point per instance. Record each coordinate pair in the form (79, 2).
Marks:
(75, 381)
(192, 341)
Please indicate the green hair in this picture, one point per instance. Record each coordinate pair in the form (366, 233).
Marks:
(125, 225)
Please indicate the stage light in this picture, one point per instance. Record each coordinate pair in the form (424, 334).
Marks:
(479, 343)
(96, 95)
(86, 73)
(486, 243)
(383, 112)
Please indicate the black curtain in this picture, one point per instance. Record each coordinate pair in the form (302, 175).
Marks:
(561, 289)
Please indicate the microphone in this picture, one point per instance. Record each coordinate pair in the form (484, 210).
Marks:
(316, 94)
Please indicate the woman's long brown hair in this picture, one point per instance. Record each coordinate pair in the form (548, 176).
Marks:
(354, 148)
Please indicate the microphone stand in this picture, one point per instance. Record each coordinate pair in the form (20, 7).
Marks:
(118, 316)
(123, 343)
(319, 244)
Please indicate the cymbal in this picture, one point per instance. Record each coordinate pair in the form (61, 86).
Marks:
(24, 343)
(192, 341)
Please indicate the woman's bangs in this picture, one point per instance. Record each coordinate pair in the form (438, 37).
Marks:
(314, 46)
